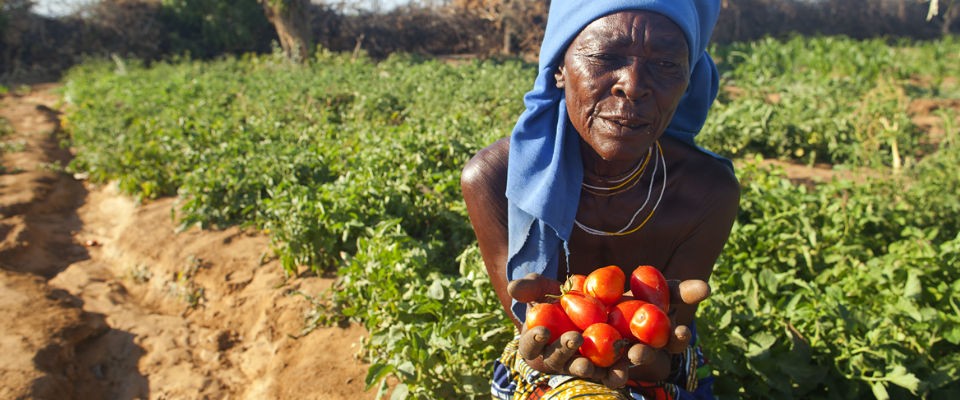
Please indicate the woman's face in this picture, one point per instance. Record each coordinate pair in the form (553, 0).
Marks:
(623, 77)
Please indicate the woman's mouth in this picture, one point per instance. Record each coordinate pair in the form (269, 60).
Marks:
(632, 124)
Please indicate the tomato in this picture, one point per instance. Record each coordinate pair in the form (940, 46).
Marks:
(606, 284)
(550, 316)
(574, 282)
(650, 325)
(583, 310)
(620, 315)
(648, 284)
(600, 344)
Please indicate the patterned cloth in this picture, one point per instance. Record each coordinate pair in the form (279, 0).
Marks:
(513, 378)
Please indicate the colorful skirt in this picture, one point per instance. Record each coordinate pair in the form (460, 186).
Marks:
(513, 378)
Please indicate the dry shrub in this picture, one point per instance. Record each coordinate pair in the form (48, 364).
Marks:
(40, 48)
(411, 29)
(144, 29)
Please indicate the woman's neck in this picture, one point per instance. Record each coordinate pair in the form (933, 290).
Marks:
(597, 171)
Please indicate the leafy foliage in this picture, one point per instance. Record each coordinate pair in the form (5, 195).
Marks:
(838, 292)
(825, 100)
(841, 289)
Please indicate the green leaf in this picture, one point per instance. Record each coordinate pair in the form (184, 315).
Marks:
(436, 290)
(952, 334)
(912, 288)
(879, 391)
(725, 320)
(407, 368)
(760, 343)
(908, 307)
(400, 392)
(903, 378)
(376, 373)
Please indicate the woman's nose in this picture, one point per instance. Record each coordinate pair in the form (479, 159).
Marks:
(632, 82)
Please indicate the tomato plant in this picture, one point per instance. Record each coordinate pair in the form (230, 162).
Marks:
(828, 289)
(606, 284)
(648, 284)
(602, 344)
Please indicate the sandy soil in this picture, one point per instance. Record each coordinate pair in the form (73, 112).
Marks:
(101, 298)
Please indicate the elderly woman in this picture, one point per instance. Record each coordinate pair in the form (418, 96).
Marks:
(601, 169)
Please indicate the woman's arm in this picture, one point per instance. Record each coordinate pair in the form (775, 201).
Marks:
(484, 183)
(695, 256)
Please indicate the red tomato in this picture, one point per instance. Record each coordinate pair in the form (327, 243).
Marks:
(650, 325)
(550, 316)
(600, 344)
(620, 315)
(649, 285)
(583, 310)
(606, 284)
(574, 282)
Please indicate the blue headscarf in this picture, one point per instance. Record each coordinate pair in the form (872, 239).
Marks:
(545, 170)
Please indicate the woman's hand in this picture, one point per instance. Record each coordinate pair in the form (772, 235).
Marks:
(651, 365)
(562, 356)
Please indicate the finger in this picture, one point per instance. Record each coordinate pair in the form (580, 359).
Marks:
(691, 291)
(582, 367)
(557, 354)
(533, 287)
(617, 375)
(599, 374)
(657, 369)
(641, 354)
(621, 347)
(679, 340)
(533, 341)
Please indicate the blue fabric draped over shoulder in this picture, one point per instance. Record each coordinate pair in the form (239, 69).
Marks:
(544, 170)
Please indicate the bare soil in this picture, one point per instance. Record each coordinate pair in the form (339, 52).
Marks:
(102, 298)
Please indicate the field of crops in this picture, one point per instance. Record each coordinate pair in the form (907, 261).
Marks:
(842, 289)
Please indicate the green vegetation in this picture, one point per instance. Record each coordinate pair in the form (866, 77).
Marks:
(5, 145)
(5, 128)
(844, 289)
(829, 99)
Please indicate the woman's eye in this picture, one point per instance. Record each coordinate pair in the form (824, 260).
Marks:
(603, 57)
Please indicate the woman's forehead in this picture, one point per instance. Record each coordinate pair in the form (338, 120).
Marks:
(633, 28)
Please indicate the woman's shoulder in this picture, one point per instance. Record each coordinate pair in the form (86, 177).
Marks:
(702, 171)
(483, 182)
(487, 170)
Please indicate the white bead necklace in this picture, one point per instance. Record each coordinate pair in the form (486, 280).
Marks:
(658, 162)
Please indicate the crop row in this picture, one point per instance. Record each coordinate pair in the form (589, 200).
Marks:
(842, 289)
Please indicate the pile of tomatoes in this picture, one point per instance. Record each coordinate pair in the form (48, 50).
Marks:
(609, 319)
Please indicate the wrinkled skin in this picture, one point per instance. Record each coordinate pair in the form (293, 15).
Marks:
(623, 77)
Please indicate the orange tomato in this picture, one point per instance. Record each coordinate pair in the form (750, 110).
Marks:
(600, 344)
(606, 284)
(650, 325)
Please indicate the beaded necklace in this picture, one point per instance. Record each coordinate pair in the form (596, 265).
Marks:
(625, 183)
(660, 161)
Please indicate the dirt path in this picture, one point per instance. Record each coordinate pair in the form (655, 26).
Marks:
(101, 298)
